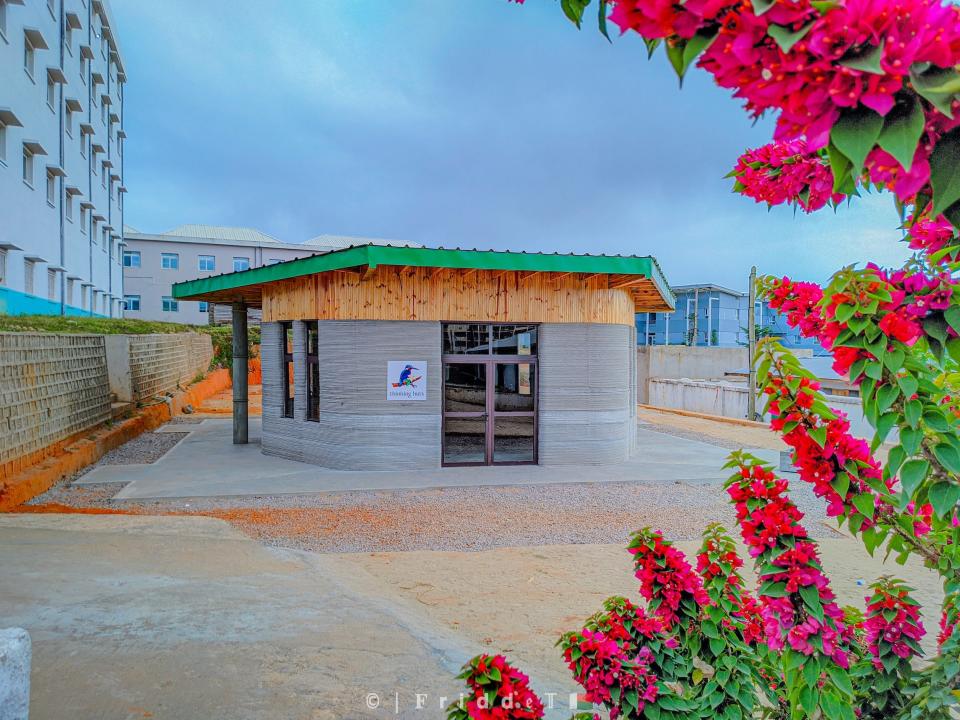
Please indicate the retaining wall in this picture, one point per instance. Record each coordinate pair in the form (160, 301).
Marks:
(162, 363)
(730, 400)
(51, 387)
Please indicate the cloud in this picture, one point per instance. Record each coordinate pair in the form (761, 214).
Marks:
(471, 124)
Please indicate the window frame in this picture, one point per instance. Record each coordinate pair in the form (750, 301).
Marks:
(132, 254)
(51, 284)
(129, 300)
(168, 303)
(51, 189)
(312, 369)
(164, 257)
(245, 259)
(29, 58)
(200, 263)
(286, 360)
(28, 169)
(204, 306)
(29, 275)
(3, 138)
(3, 260)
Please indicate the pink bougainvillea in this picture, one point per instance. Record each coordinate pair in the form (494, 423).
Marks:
(666, 578)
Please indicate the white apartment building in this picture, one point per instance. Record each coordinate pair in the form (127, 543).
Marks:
(61, 158)
(153, 263)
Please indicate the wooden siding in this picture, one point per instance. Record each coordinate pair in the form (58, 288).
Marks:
(418, 293)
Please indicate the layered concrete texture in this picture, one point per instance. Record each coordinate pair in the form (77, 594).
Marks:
(14, 674)
(587, 413)
(358, 429)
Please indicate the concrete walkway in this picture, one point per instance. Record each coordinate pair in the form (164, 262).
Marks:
(207, 464)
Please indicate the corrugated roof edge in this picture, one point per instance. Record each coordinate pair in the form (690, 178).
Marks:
(374, 255)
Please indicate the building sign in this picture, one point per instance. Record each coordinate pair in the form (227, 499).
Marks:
(406, 380)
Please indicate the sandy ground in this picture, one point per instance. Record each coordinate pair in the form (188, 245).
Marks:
(725, 434)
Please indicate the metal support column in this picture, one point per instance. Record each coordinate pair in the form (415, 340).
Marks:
(752, 346)
(240, 418)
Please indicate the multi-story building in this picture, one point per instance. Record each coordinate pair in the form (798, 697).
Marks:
(713, 315)
(152, 263)
(61, 158)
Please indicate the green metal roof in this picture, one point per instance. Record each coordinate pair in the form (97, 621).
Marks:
(374, 255)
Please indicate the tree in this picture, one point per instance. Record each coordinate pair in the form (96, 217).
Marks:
(866, 96)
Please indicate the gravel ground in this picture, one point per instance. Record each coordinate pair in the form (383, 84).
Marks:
(181, 420)
(452, 518)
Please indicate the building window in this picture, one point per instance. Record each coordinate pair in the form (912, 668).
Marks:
(29, 56)
(69, 298)
(3, 253)
(313, 371)
(3, 19)
(83, 221)
(93, 231)
(28, 276)
(83, 144)
(3, 134)
(241, 263)
(68, 122)
(51, 284)
(170, 305)
(28, 166)
(274, 261)
(131, 258)
(131, 302)
(204, 306)
(206, 262)
(286, 355)
(51, 189)
(51, 93)
(68, 39)
(170, 261)
(68, 207)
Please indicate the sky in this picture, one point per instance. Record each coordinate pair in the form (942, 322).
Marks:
(474, 124)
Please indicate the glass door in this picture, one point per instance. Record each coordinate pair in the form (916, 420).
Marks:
(489, 394)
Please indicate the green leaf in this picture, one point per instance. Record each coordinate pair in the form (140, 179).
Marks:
(841, 166)
(841, 678)
(819, 434)
(908, 384)
(717, 646)
(943, 496)
(865, 504)
(948, 456)
(855, 135)
(761, 6)
(938, 85)
(945, 171)
(910, 438)
(886, 396)
(787, 38)
(912, 474)
(912, 411)
(694, 47)
(602, 21)
(810, 595)
(901, 132)
(573, 9)
(952, 316)
(867, 61)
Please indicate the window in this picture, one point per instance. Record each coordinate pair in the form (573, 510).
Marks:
(313, 371)
(68, 38)
(93, 231)
(83, 220)
(28, 276)
(170, 261)
(68, 122)
(83, 297)
(241, 263)
(274, 261)
(170, 305)
(286, 355)
(103, 175)
(29, 56)
(68, 207)
(83, 144)
(206, 262)
(69, 298)
(204, 306)
(51, 284)
(3, 19)
(27, 166)
(131, 258)
(3, 133)
(3, 253)
(51, 189)
(51, 93)
(131, 302)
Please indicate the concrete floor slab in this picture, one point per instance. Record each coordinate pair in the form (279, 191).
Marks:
(207, 464)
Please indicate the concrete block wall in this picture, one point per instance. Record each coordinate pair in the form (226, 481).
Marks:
(51, 387)
(161, 363)
(358, 428)
(587, 408)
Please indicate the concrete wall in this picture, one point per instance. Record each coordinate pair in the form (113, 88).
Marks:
(587, 413)
(358, 428)
(51, 387)
(681, 361)
(163, 362)
(730, 400)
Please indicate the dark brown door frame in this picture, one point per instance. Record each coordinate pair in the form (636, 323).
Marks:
(490, 413)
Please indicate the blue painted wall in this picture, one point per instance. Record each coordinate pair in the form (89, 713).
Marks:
(18, 303)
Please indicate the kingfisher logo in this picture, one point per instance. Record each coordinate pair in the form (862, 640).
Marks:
(407, 377)
(406, 380)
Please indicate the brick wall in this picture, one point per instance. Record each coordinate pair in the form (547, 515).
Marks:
(51, 387)
(162, 363)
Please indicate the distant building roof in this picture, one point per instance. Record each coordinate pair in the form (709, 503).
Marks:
(219, 232)
(707, 288)
(130, 229)
(339, 242)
